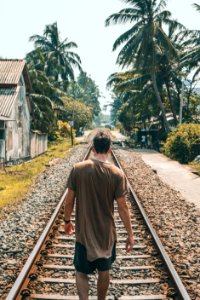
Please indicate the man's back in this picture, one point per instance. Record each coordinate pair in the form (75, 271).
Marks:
(96, 185)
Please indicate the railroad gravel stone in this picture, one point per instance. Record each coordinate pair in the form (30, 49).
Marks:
(22, 224)
(176, 221)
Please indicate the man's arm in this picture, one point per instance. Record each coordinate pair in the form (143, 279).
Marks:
(125, 217)
(69, 206)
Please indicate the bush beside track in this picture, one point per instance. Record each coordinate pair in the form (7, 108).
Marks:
(183, 144)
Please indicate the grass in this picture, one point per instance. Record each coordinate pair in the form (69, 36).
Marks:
(17, 180)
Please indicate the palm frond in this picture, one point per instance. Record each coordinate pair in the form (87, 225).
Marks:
(124, 16)
(197, 6)
(127, 35)
(41, 99)
(136, 82)
(72, 55)
(166, 43)
(140, 4)
(128, 52)
(35, 37)
(162, 16)
(160, 5)
(68, 45)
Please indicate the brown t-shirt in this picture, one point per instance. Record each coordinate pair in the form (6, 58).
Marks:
(96, 185)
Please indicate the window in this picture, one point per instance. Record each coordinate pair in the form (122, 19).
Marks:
(2, 124)
(2, 134)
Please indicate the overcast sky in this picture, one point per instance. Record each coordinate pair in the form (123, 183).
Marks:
(82, 21)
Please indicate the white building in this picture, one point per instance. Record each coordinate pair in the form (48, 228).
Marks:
(15, 110)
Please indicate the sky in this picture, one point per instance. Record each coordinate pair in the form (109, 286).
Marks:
(81, 21)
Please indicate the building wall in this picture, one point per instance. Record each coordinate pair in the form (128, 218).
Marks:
(25, 119)
(2, 140)
(11, 139)
(38, 143)
(18, 129)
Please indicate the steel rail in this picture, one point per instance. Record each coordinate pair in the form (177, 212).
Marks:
(18, 285)
(174, 275)
(16, 288)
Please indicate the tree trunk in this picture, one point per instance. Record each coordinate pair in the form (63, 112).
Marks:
(166, 126)
(171, 105)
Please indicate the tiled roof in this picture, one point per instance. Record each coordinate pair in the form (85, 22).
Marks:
(7, 99)
(10, 71)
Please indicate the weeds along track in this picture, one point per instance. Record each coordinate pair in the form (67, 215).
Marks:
(146, 273)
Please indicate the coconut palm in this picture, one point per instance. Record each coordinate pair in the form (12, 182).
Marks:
(192, 56)
(145, 41)
(45, 95)
(134, 97)
(41, 83)
(196, 51)
(60, 59)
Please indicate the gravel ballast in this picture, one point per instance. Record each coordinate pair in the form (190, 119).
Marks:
(22, 224)
(176, 222)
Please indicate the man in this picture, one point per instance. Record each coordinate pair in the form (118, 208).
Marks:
(96, 183)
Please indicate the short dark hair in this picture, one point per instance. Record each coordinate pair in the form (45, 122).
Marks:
(101, 142)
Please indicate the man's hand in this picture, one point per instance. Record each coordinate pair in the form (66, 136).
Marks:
(69, 228)
(129, 243)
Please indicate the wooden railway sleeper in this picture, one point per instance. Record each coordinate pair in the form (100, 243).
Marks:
(47, 243)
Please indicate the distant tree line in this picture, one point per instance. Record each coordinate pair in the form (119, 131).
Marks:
(56, 94)
(158, 55)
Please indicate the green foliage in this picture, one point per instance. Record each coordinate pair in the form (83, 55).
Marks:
(78, 112)
(60, 60)
(56, 96)
(164, 53)
(43, 115)
(85, 90)
(64, 129)
(180, 143)
(134, 98)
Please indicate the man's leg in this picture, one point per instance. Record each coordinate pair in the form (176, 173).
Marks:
(82, 285)
(103, 284)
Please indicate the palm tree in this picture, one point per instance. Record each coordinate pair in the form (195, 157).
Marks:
(145, 41)
(192, 56)
(134, 97)
(196, 51)
(60, 59)
(45, 95)
(41, 83)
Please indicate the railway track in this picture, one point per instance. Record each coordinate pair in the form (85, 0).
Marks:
(146, 274)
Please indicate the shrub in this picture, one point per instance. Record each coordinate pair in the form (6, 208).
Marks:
(181, 143)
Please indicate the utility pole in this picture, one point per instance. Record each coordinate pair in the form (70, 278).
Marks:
(71, 123)
(181, 104)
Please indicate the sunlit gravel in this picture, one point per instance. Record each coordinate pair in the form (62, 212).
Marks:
(176, 221)
(22, 224)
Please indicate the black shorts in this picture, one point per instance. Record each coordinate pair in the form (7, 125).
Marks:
(82, 265)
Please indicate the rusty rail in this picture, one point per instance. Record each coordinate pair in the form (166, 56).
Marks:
(174, 275)
(23, 276)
